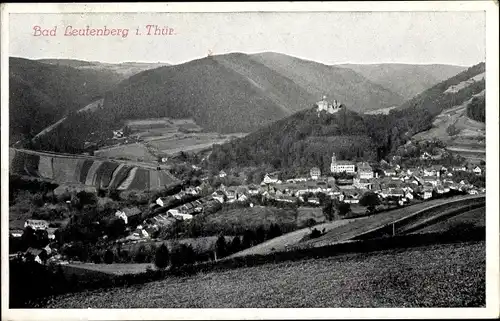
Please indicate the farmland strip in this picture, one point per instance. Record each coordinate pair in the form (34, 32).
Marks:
(112, 182)
(104, 174)
(64, 169)
(85, 170)
(91, 176)
(130, 177)
(141, 180)
(31, 164)
(154, 179)
(45, 167)
(17, 163)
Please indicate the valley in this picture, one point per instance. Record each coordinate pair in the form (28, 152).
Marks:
(155, 175)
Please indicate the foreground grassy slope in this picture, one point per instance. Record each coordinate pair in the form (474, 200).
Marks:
(436, 276)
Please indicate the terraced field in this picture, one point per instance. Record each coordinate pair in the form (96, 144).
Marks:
(100, 173)
(451, 275)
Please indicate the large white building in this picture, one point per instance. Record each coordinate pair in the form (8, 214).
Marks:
(342, 166)
(365, 171)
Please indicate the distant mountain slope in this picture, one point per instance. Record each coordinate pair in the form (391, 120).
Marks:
(123, 70)
(460, 122)
(41, 93)
(227, 93)
(352, 89)
(406, 80)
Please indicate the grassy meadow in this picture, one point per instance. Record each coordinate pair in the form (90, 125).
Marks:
(451, 275)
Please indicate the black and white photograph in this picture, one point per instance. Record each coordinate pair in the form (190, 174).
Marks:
(215, 158)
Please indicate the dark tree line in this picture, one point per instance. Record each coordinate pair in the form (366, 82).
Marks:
(476, 109)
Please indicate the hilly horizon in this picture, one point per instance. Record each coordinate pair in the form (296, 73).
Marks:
(122, 69)
(406, 80)
(237, 92)
(345, 85)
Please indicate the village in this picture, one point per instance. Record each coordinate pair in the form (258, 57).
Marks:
(346, 183)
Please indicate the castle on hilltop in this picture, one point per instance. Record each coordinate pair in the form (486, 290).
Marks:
(325, 105)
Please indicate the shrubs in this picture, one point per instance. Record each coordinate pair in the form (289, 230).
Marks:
(162, 257)
(221, 247)
(182, 254)
(315, 233)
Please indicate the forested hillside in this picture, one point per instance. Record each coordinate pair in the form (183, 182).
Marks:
(241, 93)
(40, 94)
(305, 140)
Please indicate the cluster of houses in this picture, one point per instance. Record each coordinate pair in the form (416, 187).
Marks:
(393, 181)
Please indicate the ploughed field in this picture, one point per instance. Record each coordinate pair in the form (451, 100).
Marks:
(451, 275)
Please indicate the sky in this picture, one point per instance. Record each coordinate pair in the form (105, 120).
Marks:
(328, 37)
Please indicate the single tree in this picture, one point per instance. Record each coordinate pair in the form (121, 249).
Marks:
(248, 239)
(162, 257)
(311, 222)
(235, 245)
(260, 234)
(370, 200)
(344, 208)
(329, 209)
(220, 247)
(109, 257)
(315, 233)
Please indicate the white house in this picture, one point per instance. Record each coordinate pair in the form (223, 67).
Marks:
(242, 198)
(477, 170)
(162, 201)
(389, 172)
(427, 193)
(127, 213)
(37, 224)
(271, 178)
(425, 155)
(315, 173)
(365, 171)
(222, 174)
(219, 196)
(178, 215)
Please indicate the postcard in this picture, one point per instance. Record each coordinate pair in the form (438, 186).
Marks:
(250, 160)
